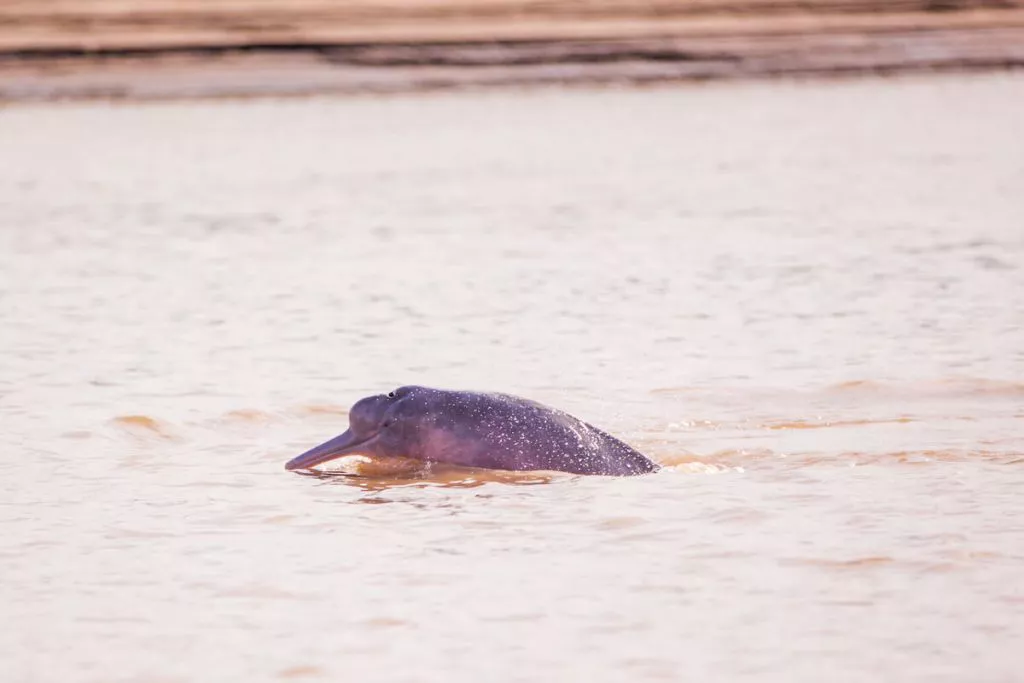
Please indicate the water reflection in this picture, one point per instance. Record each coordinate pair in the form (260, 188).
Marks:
(374, 475)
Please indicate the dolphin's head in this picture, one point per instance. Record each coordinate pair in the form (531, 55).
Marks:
(382, 425)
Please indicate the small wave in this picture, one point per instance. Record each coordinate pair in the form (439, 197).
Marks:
(950, 386)
(248, 415)
(321, 410)
(923, 457)
(696, 467)
(938, 388)
(905, 457)
(714, 463)
(143, 425)
(854, 563)
(823, 424)
(301, 671)
(740, 459)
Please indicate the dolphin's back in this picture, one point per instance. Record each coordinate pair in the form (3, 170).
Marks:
(500, 431)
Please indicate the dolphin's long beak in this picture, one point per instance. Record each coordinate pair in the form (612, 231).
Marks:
(346, 444)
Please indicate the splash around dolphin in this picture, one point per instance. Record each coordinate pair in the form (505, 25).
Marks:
(470, 429)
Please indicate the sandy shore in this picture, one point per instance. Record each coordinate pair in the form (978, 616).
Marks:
(188, 48)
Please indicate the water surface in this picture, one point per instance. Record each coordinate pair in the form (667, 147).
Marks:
(806, 300)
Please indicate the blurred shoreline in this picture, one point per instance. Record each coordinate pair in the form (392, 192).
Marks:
(81, 49)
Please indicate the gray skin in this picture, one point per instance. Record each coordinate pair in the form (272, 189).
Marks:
(492, 431)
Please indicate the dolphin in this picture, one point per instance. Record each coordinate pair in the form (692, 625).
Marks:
(472, 429)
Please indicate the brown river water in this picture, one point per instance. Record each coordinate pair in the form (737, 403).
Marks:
(805, 299)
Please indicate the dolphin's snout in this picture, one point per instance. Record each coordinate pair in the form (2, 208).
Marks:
(348, 443)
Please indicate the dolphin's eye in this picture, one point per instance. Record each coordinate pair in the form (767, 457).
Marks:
(391, 394)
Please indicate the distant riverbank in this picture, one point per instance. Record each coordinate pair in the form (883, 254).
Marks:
(162, 49)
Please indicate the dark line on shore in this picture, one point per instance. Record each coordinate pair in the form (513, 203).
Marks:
(489, 52)
(327, 48)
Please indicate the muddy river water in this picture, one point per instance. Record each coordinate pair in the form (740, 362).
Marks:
(805, 299)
